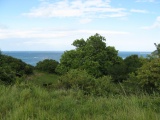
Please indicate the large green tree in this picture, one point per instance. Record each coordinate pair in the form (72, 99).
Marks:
(91, 55)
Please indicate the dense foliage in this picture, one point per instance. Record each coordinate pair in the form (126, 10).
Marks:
(147, 78)
(7, 76)
(91, 55)
(10, 68)
(93, 68)
(81, 80)
(47, 65)
(99, 60)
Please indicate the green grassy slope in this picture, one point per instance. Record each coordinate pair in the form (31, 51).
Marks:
(33, 101)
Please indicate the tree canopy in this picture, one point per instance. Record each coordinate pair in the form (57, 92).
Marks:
(156, 53)
(11, 67)
(91, 55)
(47, 65)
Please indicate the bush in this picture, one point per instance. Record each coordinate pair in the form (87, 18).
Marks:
(11, 67)
(28, 70)
(81, 80)
(105, 86)
(77, 79)
(47, 65)
(7, 76)
(147, 77)
(16, 65)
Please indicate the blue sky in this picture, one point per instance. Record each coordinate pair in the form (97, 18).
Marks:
(53, 25)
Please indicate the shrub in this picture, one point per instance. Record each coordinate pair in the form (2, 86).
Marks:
(81, 80)
(16, 65)
(7, 76)
(149, 75)
(11, 67)
(77, 79)
(47, 65)
(147, 78)
(105, 86)
(28, 70)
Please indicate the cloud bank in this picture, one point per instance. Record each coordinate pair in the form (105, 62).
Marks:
(76, 8)
(51, 33)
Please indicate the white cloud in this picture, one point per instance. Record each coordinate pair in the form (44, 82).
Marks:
(139, 11)
(4, 34)
(156, 24)
(50, 38)
(76, 8)
(52, 34)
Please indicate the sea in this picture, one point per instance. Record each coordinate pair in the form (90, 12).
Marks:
(33, 57)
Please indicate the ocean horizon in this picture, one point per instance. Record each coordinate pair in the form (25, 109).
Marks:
(33, 57)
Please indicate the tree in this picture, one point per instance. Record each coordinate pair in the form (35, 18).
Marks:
(148, 77)
(79, 43)
(91, 55)
(132, 63)
(47, 65)
(156, 53)
(0, 52)
(118, 71)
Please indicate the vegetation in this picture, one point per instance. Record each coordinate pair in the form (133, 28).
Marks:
(47, 65)
(147, 77)
(91, 55)
(81, 80)
(10, 68)
(156, 53)
(90, 82)
(32, 101)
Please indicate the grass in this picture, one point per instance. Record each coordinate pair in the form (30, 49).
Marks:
(33, 102)
(40, 78)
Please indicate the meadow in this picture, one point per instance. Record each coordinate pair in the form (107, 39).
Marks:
(90, 83)
(31, 100)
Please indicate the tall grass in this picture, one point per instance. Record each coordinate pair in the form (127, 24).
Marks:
(33, 102)
(40, 78)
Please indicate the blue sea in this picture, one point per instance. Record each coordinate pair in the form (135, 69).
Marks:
(33, 57)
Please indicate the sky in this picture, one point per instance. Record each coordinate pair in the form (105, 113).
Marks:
(53, 25)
